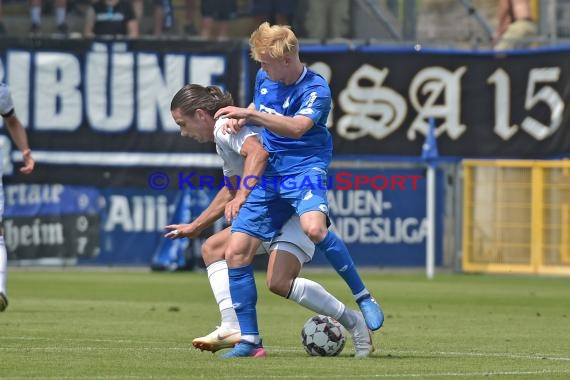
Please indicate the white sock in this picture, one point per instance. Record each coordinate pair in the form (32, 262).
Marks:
(220, 284)
(3, 264)
(36, 14)
(60, 15)
(314, 297)
(348, 319)
(255, 339)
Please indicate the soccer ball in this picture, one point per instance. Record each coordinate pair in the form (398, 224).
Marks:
(322, 336)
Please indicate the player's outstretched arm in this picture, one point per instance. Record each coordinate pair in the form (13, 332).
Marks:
(208, 217)
(287, 126)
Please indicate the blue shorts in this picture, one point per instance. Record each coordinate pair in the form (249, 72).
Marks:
(274, 200)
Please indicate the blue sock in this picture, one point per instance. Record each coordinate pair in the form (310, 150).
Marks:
(337, 254)
(244, 298)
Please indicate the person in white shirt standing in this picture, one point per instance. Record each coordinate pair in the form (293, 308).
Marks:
(20, 138)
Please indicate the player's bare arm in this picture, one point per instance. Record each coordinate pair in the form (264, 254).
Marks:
(18, 134)
(287, 126)
(254, 166)
(208, 217)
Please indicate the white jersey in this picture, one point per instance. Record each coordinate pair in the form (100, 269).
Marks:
(6, 103)
(229, 146)
(292, 238)
(6, 109)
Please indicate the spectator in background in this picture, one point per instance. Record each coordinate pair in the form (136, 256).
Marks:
(2, 27)
(275, 11)
(60, 15)
(515, 25)
(111, 17)
(327, 18)
(216, 14)
(20, 138)
(138, 7)
(163, 17)
(190, 11)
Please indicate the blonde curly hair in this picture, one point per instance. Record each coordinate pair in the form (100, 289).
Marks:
(276, 41)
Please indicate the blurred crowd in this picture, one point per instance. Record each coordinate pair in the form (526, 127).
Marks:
(219, 19)
(208, 19)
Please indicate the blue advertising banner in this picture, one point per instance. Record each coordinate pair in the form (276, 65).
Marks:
(381, 215)
(132, 222)
(52, 224)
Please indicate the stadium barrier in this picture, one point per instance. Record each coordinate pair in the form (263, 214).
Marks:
(516, 216)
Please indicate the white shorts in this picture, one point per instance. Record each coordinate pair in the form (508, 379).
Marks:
(291, 239)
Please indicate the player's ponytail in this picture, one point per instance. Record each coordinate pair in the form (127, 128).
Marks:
(194, 96)
(222, 98)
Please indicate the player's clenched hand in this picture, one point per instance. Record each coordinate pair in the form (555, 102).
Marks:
(177, 231)
(232, 208)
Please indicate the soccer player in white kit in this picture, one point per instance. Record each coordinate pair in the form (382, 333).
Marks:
(18, 134)
(193, 108)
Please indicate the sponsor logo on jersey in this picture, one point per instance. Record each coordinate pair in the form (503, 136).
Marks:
(312, 98)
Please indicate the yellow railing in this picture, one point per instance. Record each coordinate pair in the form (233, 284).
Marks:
(516, 216)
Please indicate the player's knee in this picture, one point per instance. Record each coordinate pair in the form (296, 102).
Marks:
(230, 253)
(236, 257)
(210, 253)
(316, 233)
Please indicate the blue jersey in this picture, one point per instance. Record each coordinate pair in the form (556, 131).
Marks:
(310, 96)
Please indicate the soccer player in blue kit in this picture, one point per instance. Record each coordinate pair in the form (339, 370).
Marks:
(292, 103)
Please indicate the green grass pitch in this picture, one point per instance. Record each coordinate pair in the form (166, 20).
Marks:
(114, 325)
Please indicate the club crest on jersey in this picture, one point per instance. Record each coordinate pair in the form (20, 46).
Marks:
(263, 91)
